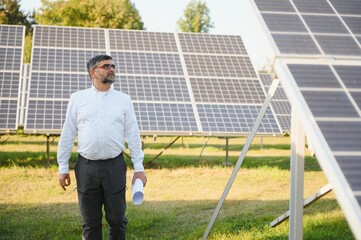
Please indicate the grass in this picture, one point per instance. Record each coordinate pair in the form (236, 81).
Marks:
(182, 192)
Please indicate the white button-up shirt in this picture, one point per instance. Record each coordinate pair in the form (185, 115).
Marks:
(102, 120)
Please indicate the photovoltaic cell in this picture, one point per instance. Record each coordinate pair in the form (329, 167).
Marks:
(354, 23)
(320, 76)
(295, 44)
(339, 45)
(284, 22)
(347, 7)
(350, 75)
(8, 88)
(357, 97)
(211, 44)
(142, 41)
(323, 104)
(220, 90)
(52, 85)
(314, 6)
(325, 24)
(234, 118)
(67, 37)
(219, 66)
(46, 115)
(166, 117)
(10, 59)
(154, 88)
(11, 52)
(11, 36)
(276, 5)
(148, 63)
(332, 130)
(8, 111)
(62, 60)
(351, 168)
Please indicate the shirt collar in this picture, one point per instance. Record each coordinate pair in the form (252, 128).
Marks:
(97, 91)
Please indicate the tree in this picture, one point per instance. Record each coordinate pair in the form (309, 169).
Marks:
(196, 18)
(90, 13)
(10, 14)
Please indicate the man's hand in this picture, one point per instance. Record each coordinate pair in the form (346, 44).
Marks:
(64, 180)
(141, 176)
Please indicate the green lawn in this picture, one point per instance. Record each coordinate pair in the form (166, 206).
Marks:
(182, 192)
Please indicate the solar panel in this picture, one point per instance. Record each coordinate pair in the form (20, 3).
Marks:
(313, 27)
(11, 52)
(337, 113)
(170, 78)
(320, 70)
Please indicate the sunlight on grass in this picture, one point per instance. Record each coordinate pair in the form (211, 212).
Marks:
(182, 192)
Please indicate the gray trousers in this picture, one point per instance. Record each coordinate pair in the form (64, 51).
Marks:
(102, 183)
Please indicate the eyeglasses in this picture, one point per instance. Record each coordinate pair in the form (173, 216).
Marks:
(107, 66)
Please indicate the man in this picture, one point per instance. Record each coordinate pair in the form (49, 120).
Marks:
(102, 118)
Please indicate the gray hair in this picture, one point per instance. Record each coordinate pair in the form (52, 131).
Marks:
(95, 60)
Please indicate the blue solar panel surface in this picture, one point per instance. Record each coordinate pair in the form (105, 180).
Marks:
(177, 81)
(11, 48)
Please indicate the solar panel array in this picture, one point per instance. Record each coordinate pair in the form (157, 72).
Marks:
(180, 84)
(11, 52)
(317, 27)
(331, 88)
(280, 103)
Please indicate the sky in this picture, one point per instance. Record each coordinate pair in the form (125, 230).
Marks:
(162, 15)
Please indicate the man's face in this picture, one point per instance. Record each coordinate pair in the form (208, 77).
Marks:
(104, 72)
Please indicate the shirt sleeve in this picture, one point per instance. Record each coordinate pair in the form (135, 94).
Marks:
(67, 137)
(132, 136)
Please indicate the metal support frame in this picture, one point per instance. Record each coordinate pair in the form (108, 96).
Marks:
(242, 156)
(227, 163)
(204, 146)
(47, 150)
(297, 177)
(308, 201)
(165, 148)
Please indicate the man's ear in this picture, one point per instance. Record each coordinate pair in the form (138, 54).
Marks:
(91, 72)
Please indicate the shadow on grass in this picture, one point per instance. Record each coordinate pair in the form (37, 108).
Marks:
(38, 159)
(175, 220)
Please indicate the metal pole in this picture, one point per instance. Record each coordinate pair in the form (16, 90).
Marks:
(242, 156)
(161, 152)
(297, 177)
(47, 150)
(227, 163)
(204, 146)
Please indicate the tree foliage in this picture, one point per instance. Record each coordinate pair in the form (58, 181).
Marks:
(11, 14)
(196, 18)
(90, 13)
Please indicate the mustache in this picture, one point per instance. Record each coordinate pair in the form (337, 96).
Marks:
(109, 78)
